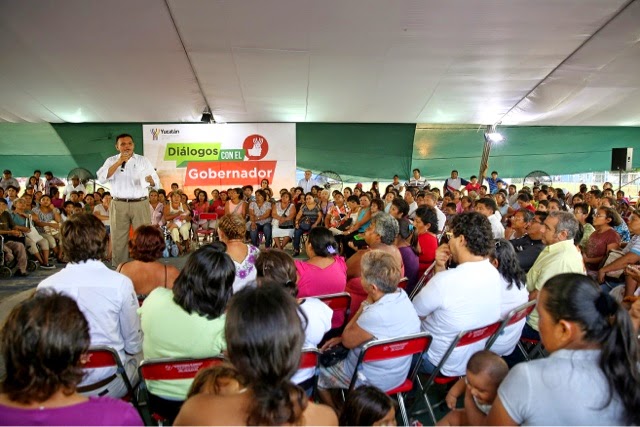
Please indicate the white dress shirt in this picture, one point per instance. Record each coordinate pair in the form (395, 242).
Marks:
(108, 301)
(129, 182)
(69, 188)
(496, 226)
(307, 185)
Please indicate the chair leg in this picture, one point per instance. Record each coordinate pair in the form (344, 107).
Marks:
(427, 403)
(403, 410)
(523, 351)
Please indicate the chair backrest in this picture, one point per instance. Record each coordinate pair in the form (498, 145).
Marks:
(309, 358)
(101, 357)
(402, 284)
(514, 316)
(424, 279)
(175, 369)
(476, 335)
(209, 216)
(378, 350)
(340, 302)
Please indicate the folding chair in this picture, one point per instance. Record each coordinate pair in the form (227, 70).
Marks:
(338, 303)
(379, 350)
(424, 279)
(206, 233)
(166, 369)
(514, 316)
(310, 358)
(103, 356)
(464, 338)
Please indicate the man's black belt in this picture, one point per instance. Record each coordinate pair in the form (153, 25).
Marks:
(139, 199)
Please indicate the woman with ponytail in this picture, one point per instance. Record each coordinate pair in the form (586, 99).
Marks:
(591, 376)
(264, 339)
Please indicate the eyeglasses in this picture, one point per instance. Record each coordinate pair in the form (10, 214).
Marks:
(601, 216)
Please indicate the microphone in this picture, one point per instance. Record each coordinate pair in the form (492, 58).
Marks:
(122, 166)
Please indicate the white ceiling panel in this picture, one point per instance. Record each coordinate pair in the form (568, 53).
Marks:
(405, 61)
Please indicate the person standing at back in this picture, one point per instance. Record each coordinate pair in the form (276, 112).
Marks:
(130, 176)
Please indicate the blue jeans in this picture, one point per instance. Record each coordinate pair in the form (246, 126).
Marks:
(266, 229)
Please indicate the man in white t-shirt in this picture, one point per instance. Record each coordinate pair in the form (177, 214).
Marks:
(488, 207)
(431, 200)
(409, 197)
(74, 185)
(460, 299)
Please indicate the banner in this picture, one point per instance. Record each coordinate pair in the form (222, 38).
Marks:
(222, 156)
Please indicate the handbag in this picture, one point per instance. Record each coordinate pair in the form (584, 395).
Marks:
(305, 224)
(33, 233)
(286, 225)
(614, 255)
(333, 355)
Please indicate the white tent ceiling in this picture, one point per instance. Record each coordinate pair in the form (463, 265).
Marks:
(543, 62)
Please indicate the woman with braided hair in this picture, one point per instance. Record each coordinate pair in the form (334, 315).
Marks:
(591, 376)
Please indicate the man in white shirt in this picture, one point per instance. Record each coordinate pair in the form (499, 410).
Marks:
(417, 181)
(488, 207)
(105, 297)
(307, 183)
(74, 185)
(431, 200)
(413, 205)
(130, 176)
(460, 299)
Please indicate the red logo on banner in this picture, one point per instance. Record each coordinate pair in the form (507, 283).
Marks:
(255, 146)
(229, 173)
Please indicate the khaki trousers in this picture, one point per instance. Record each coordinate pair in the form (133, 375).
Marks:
(123, 215)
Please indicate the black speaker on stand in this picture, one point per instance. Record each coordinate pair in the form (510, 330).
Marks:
(621, 160)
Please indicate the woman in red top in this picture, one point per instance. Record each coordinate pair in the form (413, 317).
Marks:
(425, 240)
(603, 240)
(218, 205)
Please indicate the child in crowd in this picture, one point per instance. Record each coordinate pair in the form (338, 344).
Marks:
(485, 372)
(221, 380)
(368, 406)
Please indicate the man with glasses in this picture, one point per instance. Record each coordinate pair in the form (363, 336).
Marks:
(559, 256)
(529, 246)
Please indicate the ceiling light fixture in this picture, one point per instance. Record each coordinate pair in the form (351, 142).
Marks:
(207, 117)
(492, 135)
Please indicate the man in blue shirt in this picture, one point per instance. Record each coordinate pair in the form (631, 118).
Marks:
(493, 182)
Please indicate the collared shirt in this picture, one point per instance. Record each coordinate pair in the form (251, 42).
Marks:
(421, 183)
(48, 183)
(561, 257)
(307, 185)
(70, 187)
(108, 301)
(496, 226)
(493, 184)
(129, 183)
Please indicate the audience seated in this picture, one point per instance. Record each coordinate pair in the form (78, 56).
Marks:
(325, 272)
(485, 373)
(630, 256)
(146, 273)
(106, 298)
(594, 360)
(13, 242)
(47, 219)
(410, 259)
(380, 235)
(188, 320)
(529, 246)
(231, 230)
(385, 313)
(513, 294)
(178, 218)
(23, 221)
(309, 216)
(460, 299)
(260, 219)
(264, 340)
(368, 406)
(283, 214)
(488, 207)
(43, 343)
(602, 240)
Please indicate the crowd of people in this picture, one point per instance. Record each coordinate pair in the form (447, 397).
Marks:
(470, 255)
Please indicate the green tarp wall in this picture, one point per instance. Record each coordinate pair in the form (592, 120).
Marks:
(556, 150)
(355, 151)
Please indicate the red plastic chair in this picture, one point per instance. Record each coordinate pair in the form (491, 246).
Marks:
(340, 302)
(106, 357)
(207, 233)
(424, 279)
(402, 284)
(310, 358)
(379, 350)
(464, 338)
(514, 316)
(167, 369)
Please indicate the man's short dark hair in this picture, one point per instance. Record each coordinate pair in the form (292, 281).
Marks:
(489, 203)
(542, 215)
(48, 173)
(485, 187)
(452, 206)
(123, 135)
(83, 237)
(354, 199)
(496, 172)
(596, 193)
(247, 186)
(37, 171)
(416, 170)
(67, 203)
(524, 197)
(454, 171)
(473, 177)
(476, 230)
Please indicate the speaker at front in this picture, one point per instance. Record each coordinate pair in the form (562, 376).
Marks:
(621, 159)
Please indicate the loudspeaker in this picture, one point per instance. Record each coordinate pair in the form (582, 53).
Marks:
(621, 159)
